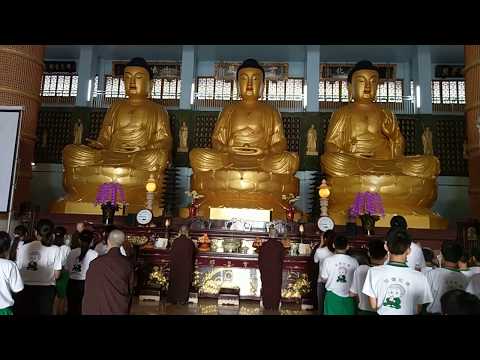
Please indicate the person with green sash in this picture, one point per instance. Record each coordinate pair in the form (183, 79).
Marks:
(337, 272)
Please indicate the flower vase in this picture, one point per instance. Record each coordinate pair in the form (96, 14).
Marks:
(108, 213)
(368, 224)
(290, 213)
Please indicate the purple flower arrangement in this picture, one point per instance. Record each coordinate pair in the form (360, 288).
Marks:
(110, 192)
(367, 203)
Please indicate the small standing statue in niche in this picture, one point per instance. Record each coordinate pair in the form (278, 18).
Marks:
(78, 132)
(312, 141)
(427, 142)
(183, 135)
(44, 138)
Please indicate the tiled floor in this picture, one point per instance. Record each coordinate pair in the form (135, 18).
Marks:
(209, 307)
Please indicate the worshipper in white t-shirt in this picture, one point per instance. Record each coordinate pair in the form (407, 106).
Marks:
(465, 269)
(10, 279)
(19, 237)
(428, 256)
(78, 263)
(473, 286)
(324, 251)
(415, 259)
(395, 288)
(377, 254)
(447, 277)
(337, 272)
(475, 261)
(40, 265)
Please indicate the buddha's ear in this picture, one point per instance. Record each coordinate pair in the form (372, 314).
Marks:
(350, 94)
(150, 88)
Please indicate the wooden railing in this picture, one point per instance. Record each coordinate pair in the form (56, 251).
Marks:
(448, 108)
(214, 104)
(406, 106)
(100, 101)
(57, 100)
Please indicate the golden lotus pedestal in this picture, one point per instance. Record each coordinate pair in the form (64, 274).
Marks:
(81, 185)
(63, 206)
(408, 196)
(243, 189)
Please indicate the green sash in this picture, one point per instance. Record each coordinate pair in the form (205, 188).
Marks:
(339, 305)
(6, 311)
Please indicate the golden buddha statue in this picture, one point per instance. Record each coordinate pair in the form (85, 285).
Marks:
(248, 165)
(364, 151)
(134, 143)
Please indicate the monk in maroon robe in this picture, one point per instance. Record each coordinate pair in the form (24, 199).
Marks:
(182, 263)
(270, 263)
(109, 281)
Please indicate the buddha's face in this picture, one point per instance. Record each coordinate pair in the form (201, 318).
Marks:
(364, 85)
(250, 83)
(137, 82)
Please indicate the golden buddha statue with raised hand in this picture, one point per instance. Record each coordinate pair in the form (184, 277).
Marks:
(134, 143)
(248, 165)
(364, 151)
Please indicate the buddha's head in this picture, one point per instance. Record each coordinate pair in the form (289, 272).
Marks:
(250, 79)
(137, 75)
(363, 82)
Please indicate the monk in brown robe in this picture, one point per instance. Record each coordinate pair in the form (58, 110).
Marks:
(109, 281)
(270, 263)
(182, 262)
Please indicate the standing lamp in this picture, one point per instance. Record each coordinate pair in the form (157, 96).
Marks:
(324, 193)
(301, 230)
(151, 186)
(167, 225)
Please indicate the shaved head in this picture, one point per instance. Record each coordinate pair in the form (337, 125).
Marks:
(115, 238)
(184, 230)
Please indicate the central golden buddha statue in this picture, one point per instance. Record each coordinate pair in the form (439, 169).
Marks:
(248, 165)
(134, 144)
(364, 151)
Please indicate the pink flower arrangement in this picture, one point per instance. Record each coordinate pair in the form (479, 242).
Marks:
(110, 192)
(367, 203)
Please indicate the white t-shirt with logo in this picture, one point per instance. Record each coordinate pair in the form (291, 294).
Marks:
(397, 288)
(415, 259)
(470, 271)
(320, 255)
(442, 280)
(338, 271)
(426, 269)
(473, 286)
(64, 251)
(10, 282)
(359, 277)
(37, 263)
(78, 269)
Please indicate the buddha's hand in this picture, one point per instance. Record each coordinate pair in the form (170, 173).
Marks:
(95, 144)
(246, 150)
(388, 126)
